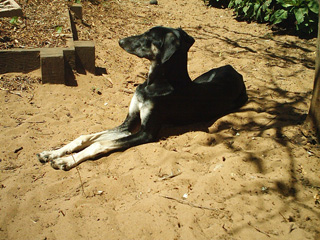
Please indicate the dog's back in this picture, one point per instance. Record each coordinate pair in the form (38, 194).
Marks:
(213, 94)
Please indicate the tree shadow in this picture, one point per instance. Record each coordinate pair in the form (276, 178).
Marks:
(280, 109)
(249, 45)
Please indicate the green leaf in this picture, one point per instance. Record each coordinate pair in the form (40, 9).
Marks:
(279, 16)
(231, 4)
(258, 15)
(266, 4)
(286, 3)
(313, 6)
(246, 9)
(14, 20)
(256, 8)
(300, 14)
(59, 29)
(267, 17)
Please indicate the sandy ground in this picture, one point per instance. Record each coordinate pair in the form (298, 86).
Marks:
(250, 175)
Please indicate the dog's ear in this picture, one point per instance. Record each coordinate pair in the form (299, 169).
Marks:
(186, 40)
(170, 45)
(174, 41)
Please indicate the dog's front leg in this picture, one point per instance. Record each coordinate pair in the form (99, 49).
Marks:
(147, 133)
(99, 148)
(76, 145)
(86, 140)
(66, 163)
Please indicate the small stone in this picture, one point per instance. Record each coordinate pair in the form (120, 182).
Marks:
(154, 2)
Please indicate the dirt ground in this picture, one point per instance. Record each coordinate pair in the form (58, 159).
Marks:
(249, 175)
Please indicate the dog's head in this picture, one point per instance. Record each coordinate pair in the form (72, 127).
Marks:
(158, 44)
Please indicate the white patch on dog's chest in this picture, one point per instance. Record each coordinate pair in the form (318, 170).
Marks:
(142, 107)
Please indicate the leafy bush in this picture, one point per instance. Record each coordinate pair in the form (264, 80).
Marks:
(301, 14)
(258, 10)
(217, 3)
(304, 14)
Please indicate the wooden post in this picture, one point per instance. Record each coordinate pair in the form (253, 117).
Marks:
(52, 65)
(313, 119)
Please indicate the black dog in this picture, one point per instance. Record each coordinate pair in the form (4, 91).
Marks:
(168, 96)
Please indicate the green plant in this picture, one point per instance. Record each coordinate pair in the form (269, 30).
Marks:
(301, 14)
(59, 29)
(14, 20)
(258, 10)
(216, 3)
(304, 14)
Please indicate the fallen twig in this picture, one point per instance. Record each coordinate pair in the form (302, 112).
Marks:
(37, 121)
(291, 228)
(79, 177)
(108, 78)
(257, 229)
(128, 91)
(63, 214)
(18, 150)
(283, 217)
(37, 178)
(172, 175)
(189, 203)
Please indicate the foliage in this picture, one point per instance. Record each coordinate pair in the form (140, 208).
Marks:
(217, 3)
(301, 14)
(304, 13)
(59, 29)
(14, 20)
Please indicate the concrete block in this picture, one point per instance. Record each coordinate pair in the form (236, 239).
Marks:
(52, 65)
(85, 55)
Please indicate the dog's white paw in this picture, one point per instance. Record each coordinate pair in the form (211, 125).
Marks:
(65, 163)
(46, 156)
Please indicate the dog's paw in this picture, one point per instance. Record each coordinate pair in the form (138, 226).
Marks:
(62, 164)
(45, 156)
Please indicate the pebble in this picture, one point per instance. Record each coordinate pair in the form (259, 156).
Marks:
(154, 2)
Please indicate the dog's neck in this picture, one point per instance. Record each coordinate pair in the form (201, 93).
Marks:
(174, 71)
